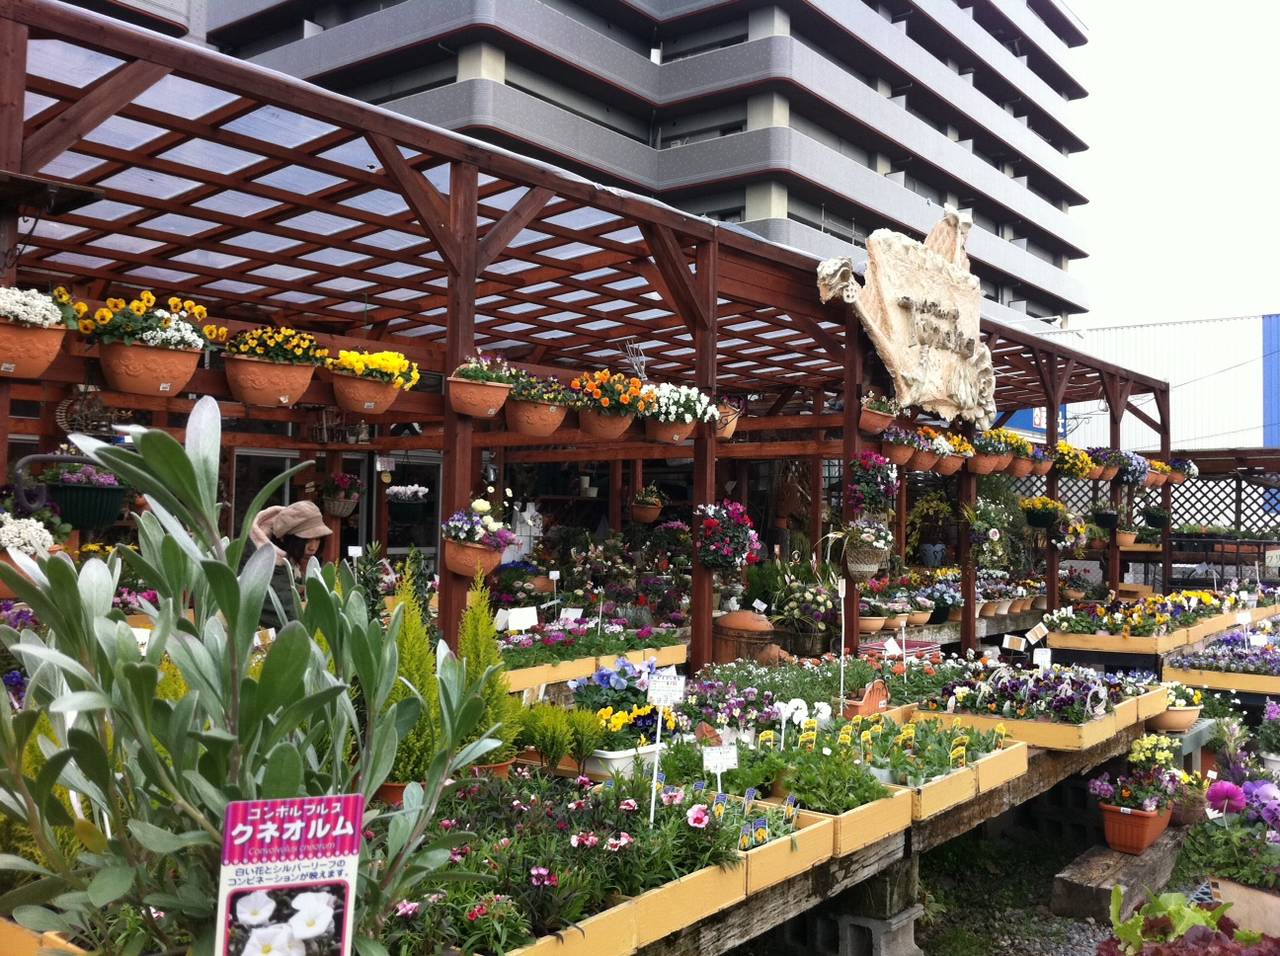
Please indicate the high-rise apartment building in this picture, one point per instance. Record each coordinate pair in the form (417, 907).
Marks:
(810, 122)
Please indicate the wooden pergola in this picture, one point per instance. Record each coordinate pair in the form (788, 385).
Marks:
(130, 160)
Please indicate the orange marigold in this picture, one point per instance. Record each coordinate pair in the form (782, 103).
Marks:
(604, 403)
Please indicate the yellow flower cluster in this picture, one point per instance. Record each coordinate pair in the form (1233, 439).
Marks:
(610, 392)
(1041, 503)
(1071, 461)
(132, 318)
(1011, 440)
(959, 445)
(390, 367)
(1153, 750)
(1159, 467)
(276, 344)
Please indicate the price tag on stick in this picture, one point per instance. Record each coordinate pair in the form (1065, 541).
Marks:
(665, 690)
(718, 760)
(1037, 633)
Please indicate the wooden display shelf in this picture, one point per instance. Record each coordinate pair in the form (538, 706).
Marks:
(1151, 703)
(609, 933)
(524, 678)
(1045, 734)
(1117, 643)
(683, 902)
(996, 769)
(1224, 680)
(870, 823)
(788, 856)
(942, 794)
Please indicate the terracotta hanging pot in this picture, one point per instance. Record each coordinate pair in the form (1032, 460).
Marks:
(1020, 467)
(27, 352)
(1043, 467)
(981, 464)
(671, 433)
(463, 558)
(538, 419)
(363, 396)
(273, 384)
(1095, 473)
(645, 514)
(923, 460)
(1004, 460)
(1175, 478)
(1126, 538)
(598, 425)
(873, 422)
(146, 370)
(948, 465)
(727, 423)
(898, 454)
(1108, 472)
(477, 399)
(1132, 831)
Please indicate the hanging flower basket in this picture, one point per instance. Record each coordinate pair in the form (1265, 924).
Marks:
(272, 384)
(1095, 473)
(645, 514)
(898, 454)
(862, 563)
(1042, 467)
(340, 507)
(873, 422)
(923, 460)
(983, 464)
(672, 433)
(406, 512)
(949, 465)
(477, 399)
(1175, 478)
(1154, 479)
(1106, 519)
(1039, 519)
(1108, 472)
(1126, 538)
(538, 419)
(147, 370)
(363, 396)
(464, 558)
(598, 425)
(1132, 831)
(1020, 467)
(88, 507)
(27, 351)
(727, 423)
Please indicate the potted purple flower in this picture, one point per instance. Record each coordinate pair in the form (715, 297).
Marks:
(88, 498)
(474, 540)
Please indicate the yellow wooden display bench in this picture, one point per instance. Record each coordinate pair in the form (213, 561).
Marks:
(524, 678)
(1045, 734)
(941, 794)
(1224, 680)
(1000, 767)
(867, 824)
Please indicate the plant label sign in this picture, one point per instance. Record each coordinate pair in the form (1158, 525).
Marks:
(1037, 633)
(1012, 642)
(759, 606)
(666, 690)
(522, 619)
(720, 759)
(1042, 657)
(892, 648)
(1244, 618)
(1258, 640)
(571, 614)
(289, 875)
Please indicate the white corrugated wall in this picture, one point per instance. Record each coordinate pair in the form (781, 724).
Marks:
(1215, 371)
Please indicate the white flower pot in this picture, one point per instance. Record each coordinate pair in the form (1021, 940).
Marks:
(883, 774)
(608, 762)
(1271, 762)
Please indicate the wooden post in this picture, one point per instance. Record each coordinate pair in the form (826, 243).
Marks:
(5, 419)
(742, 480)
(855, 347)
(457, 465)
(615, 495)
(967, 489)
(13, 86)
(1117, 502)
(332, 550)
(817, 500)
(1166, 492)
(704, 443)
(900, 518)
(637, 474)
(1051, 491)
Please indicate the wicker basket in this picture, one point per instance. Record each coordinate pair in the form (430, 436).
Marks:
(340, 507)
(862, 563)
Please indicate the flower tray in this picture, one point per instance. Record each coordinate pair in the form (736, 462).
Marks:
(1118, 643)
(1225, 680)
(1151, 703)
(603, 764)
(942, 794)
(1045, 734)
(788, 856)
(665, 656)
(524, 678)
(1126, 712)
(995, 769)
(609, 933)
(683, 902)
(17, 940)
(867, 824)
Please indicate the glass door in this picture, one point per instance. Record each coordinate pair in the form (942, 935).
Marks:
(253, 469)
(417, 526)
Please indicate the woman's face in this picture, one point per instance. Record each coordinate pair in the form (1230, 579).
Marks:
(313, 545)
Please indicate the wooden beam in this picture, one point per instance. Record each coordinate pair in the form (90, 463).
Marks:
(499, 236)
(668, 256)
(429, 207)
(705, 290)
(1003, 418)
(1142, 416)
(13, 85)
(91, 110)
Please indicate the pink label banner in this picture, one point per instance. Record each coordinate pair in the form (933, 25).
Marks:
(299, 828)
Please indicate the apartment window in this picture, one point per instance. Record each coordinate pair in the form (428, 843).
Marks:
(686, 137)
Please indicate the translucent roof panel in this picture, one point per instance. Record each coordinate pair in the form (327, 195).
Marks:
(185, 98)
(67, 63)
(124, 133)
(283, 127)
(33, 104)
(216, 157)
(70, 165)
(146, 182)
(299, 180)
(232, 202)
(181, 225)
(156, 274)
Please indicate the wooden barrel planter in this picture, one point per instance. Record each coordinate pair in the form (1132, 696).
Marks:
(740, 634)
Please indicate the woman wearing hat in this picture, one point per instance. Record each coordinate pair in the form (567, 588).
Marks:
(294, 531)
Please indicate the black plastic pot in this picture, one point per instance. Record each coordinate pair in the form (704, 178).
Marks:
(406, 512)
(88, 507)
(1155, 519)
(1106, 519)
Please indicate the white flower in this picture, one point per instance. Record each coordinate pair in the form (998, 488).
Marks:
(312, 900)
(994, 534)
(312, 921)
(480, 506)
(179, 335)
(27, 535)
(29, 307)
(255, 908)
(277, 940)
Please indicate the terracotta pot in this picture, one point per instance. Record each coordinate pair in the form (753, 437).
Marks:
(727, 423)
(463, 558)
(1005, 461)
(144, 370)
(989, 609)
(1150, 480)
(645, 514)
(1175, 720)
(539, 419)
(1042, 467)
(499, 770)
(923, 460)
(542, 584)
(1132, 831)
(477, 399)
(1126, 538)
(1108, 472)
(873, 422)
(671, 433)
(982, 464)
(363, 396)
(391, 794)
(1072, 595)
(1157, 479)
(1175, 478)
(27, 352)
(1095, 473)
(898, 454)
(1002, 607)
(918, 618)
(273, 384)
(955, 615)
(948, 465)
(1020, 467)
(599, 425)
(875, 698)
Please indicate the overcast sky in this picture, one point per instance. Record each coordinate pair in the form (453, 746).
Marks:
(1181, 170)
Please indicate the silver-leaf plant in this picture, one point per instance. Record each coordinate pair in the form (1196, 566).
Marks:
(148, 780)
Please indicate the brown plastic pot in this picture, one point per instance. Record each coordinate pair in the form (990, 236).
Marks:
(477, 399)
(273, 384)
(869, 625)
(948, 465)
(670, 433)
(598, 425)
(898, 454)
(463, 558)
(1175, 720)
(1020, 467)
(363, 396)
(147, 370)
(1132, 831)
(645, 514)
(539, 419)
(27, 352)
(873, 422)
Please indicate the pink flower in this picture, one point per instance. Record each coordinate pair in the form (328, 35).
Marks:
(448, 824)
(586, 840)
(672, 797)
(538, 875)
(407, 909)
(584, 781)
(698, 816)
(628, 805)
(1225, 797)
(623, 839)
